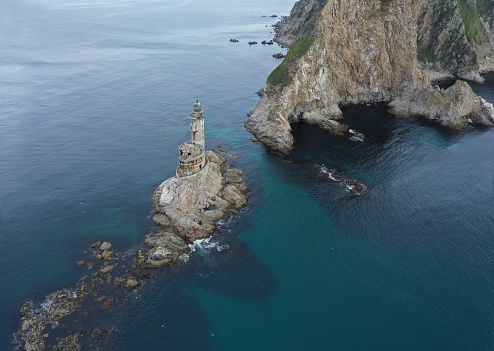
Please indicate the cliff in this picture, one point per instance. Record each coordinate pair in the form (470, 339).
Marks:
(366, 51)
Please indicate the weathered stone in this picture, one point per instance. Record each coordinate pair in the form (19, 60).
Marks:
(107, 269)
(70, 343)
(366, 52)
(233, 195)
(131, 282)
(159, 256)
(105, 246)
(186, 201)
(233, 175)
(452, 107)
(141, 258)
(27, 308)
(96, 245)
(168, 240)
(161, 219)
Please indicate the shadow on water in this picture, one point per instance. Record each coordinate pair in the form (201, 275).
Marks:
(421, 182)
(236, 272)
(165, 307)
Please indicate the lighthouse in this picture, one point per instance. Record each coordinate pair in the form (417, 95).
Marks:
(192, 153)
(197, 125)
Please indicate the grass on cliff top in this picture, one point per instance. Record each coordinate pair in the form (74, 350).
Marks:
(474, 29)
(281, 76)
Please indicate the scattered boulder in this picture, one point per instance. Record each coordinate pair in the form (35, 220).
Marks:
(233, 175)
(261, 91)
(131, 282)
(356, 136)
(27, 308)
(141, 258)
(234, 196)
(159, 256)
(70, 343)
(354, 187)
(168, 240)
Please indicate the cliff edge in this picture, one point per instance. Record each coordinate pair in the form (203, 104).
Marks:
(367, 51)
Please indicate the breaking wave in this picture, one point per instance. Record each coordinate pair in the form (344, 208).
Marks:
(206, 245)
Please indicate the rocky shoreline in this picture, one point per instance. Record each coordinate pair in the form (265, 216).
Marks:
(365, 52)
(191, 214)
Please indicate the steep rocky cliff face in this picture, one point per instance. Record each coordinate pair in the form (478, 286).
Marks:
(362, 51)
(442, 44)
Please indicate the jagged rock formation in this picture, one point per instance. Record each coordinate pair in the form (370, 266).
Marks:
(193, 205)
(453, 107)
(442, 44)
(363, 51)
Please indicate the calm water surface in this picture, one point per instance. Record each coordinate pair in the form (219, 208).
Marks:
(95, 101)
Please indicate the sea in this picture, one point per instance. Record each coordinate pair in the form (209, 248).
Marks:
(95, 100)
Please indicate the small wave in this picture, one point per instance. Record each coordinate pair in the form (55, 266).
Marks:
(328, 173)
(206, 245)
(49, 301)
(184, 258)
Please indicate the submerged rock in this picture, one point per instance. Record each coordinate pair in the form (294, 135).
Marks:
(354, 187)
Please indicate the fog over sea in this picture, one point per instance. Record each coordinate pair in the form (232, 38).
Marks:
(95, 100)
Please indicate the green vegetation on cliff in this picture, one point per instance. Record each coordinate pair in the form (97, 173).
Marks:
(470, 14)
(424, 53)
(281, 75)
(304, 31)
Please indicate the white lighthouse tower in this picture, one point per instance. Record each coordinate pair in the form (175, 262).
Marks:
(192, 153)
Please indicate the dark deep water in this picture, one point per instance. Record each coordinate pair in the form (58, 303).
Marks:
(95, 101)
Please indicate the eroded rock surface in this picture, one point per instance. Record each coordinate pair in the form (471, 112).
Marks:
(356, 51)
(193, 205)
(453, 107)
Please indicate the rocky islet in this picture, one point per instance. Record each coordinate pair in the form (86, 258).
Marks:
(187, 207)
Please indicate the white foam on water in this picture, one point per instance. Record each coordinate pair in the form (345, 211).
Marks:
(222, 247)
(184, 258)
(206, 245)
(328, 173)
(50, 300)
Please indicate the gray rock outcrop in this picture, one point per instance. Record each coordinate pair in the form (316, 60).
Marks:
(453, 107)
(193, 205)
(356, 51)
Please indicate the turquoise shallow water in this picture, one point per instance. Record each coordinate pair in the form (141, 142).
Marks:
(97, 97)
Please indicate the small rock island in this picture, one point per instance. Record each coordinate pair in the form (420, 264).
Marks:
(187, 206)
(203, 191)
